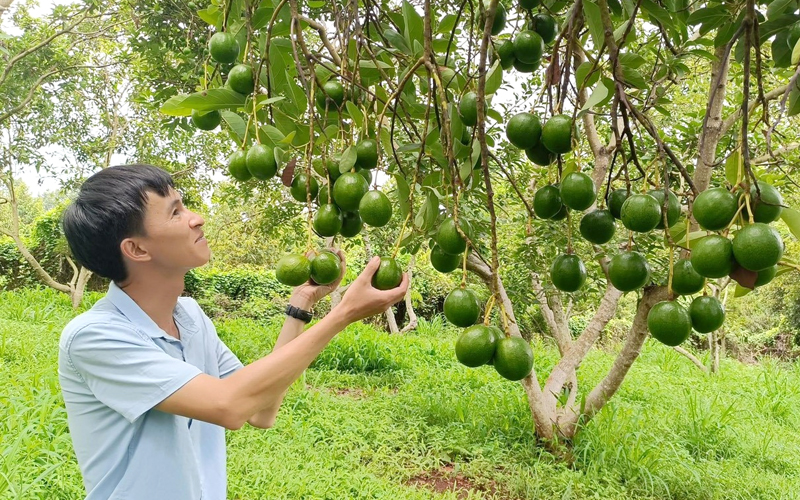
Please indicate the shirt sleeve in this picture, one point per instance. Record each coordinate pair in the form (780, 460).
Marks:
(227, 361)
(125, 370)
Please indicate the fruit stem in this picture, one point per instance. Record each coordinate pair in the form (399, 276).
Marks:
(489, 307)
(400, 237)
(569, 232)
(669, 278)
(749, 210)
(464, 268)
(736, 215)
(255, 116)
(504, 317)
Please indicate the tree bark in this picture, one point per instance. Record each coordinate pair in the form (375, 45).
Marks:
(391, 321)
(711, 134)
(544, 418)
(607, 387)
(553, 312)
(412, 316)
(691, 357)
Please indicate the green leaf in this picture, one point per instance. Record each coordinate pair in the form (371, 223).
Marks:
(778, 7)
(494, 78)
(582, 76)
(355, 113)
(413, 24)
(328, 133)
(369, 64)
(792, 219)
(403, 193)
(418, 48)
(741, 291)
(732, 168)
(494, 115)
(600, 95)
(289, 137)
(261, 17)
(428, 213)
(634, 78)
(465, 169)
(411, 146)
(210, 99)
(236, 123)
(397, 41)
(323, 73)
(262, 101)
(621, 31)
(703, 53)
(775, 26)
(796, 53)
(781, 51)
(447, 24)
(631, 60)
(725, 33)
(433, 213)
(591, 13)
(658, 13)
(174, 106)
(273, 134)
(348, 159)
(295, 94)
(211, 15)
(615, 7)
(315, 4)
(794, 102)
(708, 14)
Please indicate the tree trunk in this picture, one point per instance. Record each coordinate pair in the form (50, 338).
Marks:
(391, 321)
(637, 335)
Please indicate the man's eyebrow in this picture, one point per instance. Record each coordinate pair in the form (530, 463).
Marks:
(175, 202)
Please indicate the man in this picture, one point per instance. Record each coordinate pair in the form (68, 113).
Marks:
(149, 387)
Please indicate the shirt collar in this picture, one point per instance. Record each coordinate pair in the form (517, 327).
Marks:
(144, 323)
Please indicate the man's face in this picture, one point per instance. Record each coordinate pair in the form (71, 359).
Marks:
(174, 236)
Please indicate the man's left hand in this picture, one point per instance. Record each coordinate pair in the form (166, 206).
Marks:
(308, 294)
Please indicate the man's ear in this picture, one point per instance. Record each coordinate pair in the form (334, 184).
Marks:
(133, 250)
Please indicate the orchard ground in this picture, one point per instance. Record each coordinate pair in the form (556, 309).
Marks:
(381, 416)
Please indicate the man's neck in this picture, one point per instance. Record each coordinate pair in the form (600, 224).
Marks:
(157, 297)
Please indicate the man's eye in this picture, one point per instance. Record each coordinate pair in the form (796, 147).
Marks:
(176, 212)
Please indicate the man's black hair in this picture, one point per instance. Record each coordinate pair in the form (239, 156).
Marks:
(109, 208)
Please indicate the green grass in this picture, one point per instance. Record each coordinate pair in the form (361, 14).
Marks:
(377, 411)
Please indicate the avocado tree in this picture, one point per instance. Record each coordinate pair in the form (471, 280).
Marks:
(48, 75)
(573, 123)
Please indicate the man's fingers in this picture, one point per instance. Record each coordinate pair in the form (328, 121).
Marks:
(402, 288)
(371, 267)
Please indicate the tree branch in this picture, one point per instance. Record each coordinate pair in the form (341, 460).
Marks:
(323, 35)
(570, 362)
(607, 387)
(691, 357)
(769, 96)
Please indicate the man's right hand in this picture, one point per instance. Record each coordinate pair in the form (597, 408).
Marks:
(362, 300)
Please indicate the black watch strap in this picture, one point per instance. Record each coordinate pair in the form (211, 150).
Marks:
(297, 313)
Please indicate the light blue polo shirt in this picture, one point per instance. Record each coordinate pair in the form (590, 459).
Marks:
(114, 365)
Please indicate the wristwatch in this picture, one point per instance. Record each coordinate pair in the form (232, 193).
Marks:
(297, 313)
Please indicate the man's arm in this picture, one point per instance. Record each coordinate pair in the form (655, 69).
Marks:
(292, 328)
(232, 401)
